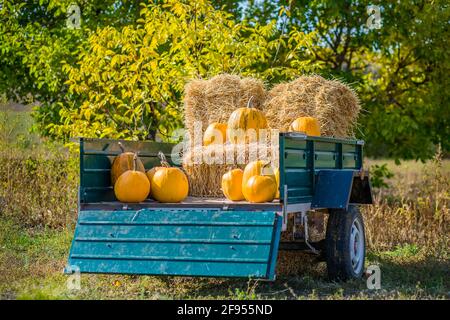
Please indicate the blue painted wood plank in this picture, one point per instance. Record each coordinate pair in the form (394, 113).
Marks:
(181, 268)
(205, 250)
(176, 242)
(225, 233)
(168, 216)
(274, 249)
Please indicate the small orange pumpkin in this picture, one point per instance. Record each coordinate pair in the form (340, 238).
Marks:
(232, 185)
(260, 189)
(309, 125)
(216, 133)
(132, 185)
(124, 162)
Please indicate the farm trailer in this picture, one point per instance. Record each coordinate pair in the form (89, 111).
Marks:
(216, 237)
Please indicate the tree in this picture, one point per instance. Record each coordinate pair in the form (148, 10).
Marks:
(35, 43)
(129, 81)
(121, 76)
(399, 70)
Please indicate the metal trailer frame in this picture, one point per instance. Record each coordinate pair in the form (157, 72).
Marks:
(208, 237)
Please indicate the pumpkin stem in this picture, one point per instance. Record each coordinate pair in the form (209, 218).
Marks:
(121, 146)
(249, 101)
(163, 160)
(135, 157)
(264, 166)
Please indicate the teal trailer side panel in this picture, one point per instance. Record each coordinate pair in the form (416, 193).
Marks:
(177, 242)
(97, 156)
(303, 157)
(333, 189)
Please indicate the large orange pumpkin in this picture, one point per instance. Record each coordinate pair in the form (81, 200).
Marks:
(216, 133)
(254, 168)
(232, 185)
(260, 189)
(132, 185)
(124, 162)
(309, 125)
(163, 162)
(169, 184)
(244, 124)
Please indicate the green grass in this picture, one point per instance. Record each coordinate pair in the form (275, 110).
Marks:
(32, 260)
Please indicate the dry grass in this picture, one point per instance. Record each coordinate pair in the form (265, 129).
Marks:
(415, 209)
(412, 255)
(407, 230)
(38, 187)
(333, 103)
(208, 101)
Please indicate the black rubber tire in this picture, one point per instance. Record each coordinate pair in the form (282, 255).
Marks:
(337, 244)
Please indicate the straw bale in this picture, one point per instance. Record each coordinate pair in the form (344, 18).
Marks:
(214, 100)
(205, 166)
(332, 102)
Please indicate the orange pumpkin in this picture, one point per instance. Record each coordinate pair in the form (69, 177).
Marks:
(132, 185)
(169, 184)
(216, 133)
(254, 168)
(232, 185)
(260, 189)
(124, 162)
(244, 124)
(163, 162)
(309, 125)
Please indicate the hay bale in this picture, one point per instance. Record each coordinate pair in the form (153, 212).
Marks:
(205, 166)
(337, 109)
(333, 103)
(251, 87)
(215, 99)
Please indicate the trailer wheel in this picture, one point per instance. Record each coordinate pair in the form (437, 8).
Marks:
(345, 244)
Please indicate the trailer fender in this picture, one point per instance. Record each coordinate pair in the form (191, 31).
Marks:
(336, 189)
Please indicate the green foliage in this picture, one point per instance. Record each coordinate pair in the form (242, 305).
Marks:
(407, 250)
(122, 73)
(35, 44)
(400, 70)
(378, 174)
(406, 90)
(129, 82)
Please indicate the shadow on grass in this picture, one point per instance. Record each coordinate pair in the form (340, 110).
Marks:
(410, 277)
(416, 272)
